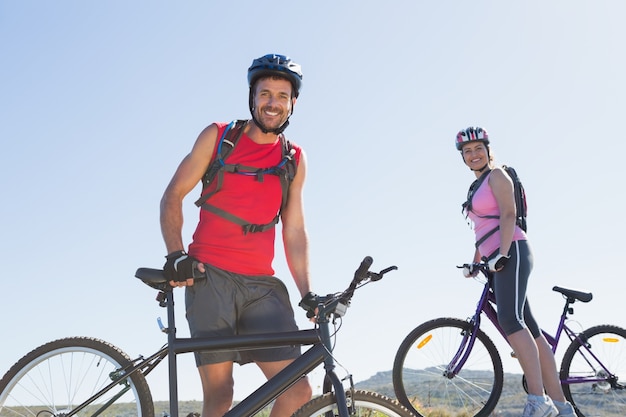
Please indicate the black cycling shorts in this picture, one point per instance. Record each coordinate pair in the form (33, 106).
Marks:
(509, 287)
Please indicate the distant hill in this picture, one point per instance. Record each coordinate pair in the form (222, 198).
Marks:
(510, 405)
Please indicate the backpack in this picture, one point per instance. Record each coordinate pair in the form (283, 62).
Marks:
(521, 208)
(285, 170)
(519, 193)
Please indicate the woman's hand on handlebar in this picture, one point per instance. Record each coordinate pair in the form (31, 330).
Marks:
(470, 270)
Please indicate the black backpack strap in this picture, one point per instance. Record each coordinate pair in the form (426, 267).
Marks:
(225, 146)
(467, 206)
(486, 235)
(246, 226)
(288, 168)
(491, 255)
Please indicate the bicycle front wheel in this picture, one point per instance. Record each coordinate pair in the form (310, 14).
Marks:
(422, 382)
(58, 377)
(365, 403)
(593, 372)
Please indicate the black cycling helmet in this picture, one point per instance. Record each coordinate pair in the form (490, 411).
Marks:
(278, 66)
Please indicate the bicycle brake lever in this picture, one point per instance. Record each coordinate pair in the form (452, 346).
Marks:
(389, 269)
(377, 276)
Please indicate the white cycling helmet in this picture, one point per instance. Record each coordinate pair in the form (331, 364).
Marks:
(471, 134)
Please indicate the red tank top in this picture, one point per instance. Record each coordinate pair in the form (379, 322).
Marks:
(222, 243)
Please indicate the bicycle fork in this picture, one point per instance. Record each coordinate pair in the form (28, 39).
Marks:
(465, 348)
(469, 335)
(332, 383)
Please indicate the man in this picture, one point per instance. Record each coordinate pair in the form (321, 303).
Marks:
(233, 245)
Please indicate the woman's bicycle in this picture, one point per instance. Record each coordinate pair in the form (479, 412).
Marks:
(81, 376)
(450, 367)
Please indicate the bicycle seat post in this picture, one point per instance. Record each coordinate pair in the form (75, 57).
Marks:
(171, 343)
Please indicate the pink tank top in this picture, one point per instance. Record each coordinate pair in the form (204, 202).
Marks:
(222, 243)
(484, 204)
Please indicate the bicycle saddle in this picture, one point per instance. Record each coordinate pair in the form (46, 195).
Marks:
(152, 277)
(585, 297)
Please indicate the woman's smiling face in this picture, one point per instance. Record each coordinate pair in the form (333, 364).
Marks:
(475, 155)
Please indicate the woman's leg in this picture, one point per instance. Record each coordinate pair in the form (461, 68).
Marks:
(510, 290)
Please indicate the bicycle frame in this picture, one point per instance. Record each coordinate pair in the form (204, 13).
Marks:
(486, 304)
(320, 352)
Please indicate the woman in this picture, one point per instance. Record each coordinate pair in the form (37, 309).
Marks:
(502, 243)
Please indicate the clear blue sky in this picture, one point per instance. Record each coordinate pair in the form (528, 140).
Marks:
(99, 102)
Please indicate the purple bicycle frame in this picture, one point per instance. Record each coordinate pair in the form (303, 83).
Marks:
(486, 305)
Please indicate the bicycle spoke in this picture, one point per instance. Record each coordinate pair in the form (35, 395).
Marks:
(56, 378)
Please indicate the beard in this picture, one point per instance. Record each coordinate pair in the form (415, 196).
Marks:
(271, 122)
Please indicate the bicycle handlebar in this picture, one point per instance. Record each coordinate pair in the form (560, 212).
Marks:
(326, 305)
(477, 266)
(364, 267)
(480, 265)
(338, 303)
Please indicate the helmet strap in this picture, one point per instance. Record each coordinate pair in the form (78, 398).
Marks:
(481, 170)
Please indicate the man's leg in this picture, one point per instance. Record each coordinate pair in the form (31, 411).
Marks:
(217, 388)
(292, 399)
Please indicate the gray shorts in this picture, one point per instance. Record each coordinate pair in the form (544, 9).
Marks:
(226, 304)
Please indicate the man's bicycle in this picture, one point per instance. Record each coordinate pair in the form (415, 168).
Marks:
(81, 376)
(450, 367)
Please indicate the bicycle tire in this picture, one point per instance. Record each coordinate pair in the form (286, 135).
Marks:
(418, 371)
(54, 378)
(366, 403)
(608, 344)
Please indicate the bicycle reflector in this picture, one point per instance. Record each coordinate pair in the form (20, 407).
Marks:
(610, 340)
(424, 341)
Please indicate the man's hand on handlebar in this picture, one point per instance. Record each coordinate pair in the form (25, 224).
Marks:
(309, 304)
(338, 303)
